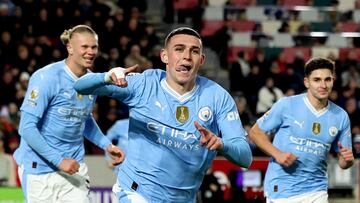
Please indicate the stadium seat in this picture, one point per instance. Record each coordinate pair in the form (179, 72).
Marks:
(283, 40)
(311, 15)
(270, 27)
(272, 52)
(217, 2)
(356, 16)
(241, 2)
(241, 39)
(233, 51)
(256, 13)
(347, 5)
(210, 27)
(185, 4)
(324, 52)
(343, 53)
(243, 25)
(290, 53)
(321, 26)
(294, 2)
(348, 27)
(336, 40)
(266, 2)
(213, 13)
(319, 3)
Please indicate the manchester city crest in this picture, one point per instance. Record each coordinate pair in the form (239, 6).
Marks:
(182, 114)
(333, 131)
(205, 114)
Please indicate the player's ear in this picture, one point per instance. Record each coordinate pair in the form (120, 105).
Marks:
(69, 49)
(164, 56)
(306, 82)
(202, 59)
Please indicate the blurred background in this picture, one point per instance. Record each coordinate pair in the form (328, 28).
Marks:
(256, 49)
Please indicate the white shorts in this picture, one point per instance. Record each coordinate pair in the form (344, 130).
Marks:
(127, 196)
(310, 197)
(56, 187)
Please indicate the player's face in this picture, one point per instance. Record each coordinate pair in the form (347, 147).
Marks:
(183, 57)
(83, 49)
(320, 83)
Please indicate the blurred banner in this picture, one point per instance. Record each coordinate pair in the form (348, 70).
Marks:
(233, 179)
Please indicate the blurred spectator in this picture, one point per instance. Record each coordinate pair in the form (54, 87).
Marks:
(239, 69)
(268, 95)
(351, 74)
(155, 59)
(219, 43)
(303, 38)
(8, 90)
(284, 28)
(7, 49)
(351, 107)
(115, 59)
(261, 61)
(254, 81)
(246, 117)
(135, 57)
(210, 189)
(8, 168)
(259, 37)
(356, 146)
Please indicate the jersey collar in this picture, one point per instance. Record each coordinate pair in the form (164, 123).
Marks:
(313, 110)
(172, 92)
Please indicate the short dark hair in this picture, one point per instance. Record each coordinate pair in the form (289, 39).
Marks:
(318, 63)
(181, 30)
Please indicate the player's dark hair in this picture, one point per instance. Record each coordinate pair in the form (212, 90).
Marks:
(181, 30)
(318, 63)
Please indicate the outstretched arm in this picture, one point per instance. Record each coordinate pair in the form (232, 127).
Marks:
(31, 134)
(99, 83)
(262, 141)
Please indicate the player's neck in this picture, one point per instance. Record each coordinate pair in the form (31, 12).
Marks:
(318, 104)
(75, 69)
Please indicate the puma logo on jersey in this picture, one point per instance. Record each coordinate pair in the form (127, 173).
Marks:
(298, 123)
(158, 104)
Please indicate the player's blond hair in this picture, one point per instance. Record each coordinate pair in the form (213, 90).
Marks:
(67, 34)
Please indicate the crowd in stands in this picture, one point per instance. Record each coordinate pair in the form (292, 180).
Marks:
(241, 33)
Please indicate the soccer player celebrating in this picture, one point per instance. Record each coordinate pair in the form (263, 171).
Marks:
(54, 120)
(179, 121)
(306, 127)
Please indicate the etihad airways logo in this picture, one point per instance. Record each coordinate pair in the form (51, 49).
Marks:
(174, 138)
(165, 130)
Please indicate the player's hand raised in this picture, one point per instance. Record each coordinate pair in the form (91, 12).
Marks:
(117, 75)
(69, 166)
(208, 138)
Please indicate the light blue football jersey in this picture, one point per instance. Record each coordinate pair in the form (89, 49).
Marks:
(308, 134)
(119, 132)
(64, 116)
(164, 156)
